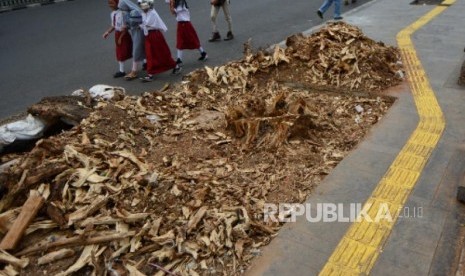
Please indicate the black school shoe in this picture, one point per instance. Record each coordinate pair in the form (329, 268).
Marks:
(177, 70)
(229, 36)
(119, 74)
(320, 14)
(148, 78)
(215, 37)
(203, 56)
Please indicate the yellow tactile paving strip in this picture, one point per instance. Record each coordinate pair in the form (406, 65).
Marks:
(361, 246)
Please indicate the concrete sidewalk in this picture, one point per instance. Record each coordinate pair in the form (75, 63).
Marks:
(416, 245)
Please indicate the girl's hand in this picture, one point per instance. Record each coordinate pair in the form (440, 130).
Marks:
(105, 35)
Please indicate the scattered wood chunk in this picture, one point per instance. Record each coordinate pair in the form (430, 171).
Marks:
(28, 213)
(133, 271)
(8, 218)
(5, 257)
(76, 241)
(84, 259)
(87, 210)
(9, 270)
(195, 219)
(55, 256)
(56, 214)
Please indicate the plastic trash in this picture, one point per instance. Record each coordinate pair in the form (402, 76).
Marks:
(153, 118)
(105, 92)
(78, 93)
(359, 108)
(26, 129)
(400, 74)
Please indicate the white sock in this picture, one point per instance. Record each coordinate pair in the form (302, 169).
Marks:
(180, 54)
(201, 49)
(135, 65)
(121, 66)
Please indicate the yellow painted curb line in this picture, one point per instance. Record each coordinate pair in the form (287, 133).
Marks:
(361, 246)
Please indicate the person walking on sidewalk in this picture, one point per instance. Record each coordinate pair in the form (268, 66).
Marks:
(158, 53)
(133, 19)
(325, 7)
(216, 5)
(187, 38)
(122, 39)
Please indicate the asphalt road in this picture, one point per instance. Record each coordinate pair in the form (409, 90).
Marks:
(56, 49)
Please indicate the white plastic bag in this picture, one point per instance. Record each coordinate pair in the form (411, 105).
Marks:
(26, 129)
(105, 92)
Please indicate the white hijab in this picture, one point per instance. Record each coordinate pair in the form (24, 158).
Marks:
(152, 21)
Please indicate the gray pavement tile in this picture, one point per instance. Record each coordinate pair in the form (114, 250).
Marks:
(309, 237)
(433, 172)
(350, 187)
(451, 85)
(413, 241)
(371, 157)
(445, 195)
(394, 134)
(403, 258)
(420, 234)
(449, 246)
(287, 257)
(322, 237)
(345, 180)
(389, 269)
(433, 218)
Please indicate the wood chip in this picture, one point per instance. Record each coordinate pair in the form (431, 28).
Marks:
(84, 259)
(88, 210)
(5, 257)
(76, 241)
(55, 256)
(28, 213)
(195, 219)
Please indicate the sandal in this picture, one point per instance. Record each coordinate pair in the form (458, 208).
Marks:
(131, 76)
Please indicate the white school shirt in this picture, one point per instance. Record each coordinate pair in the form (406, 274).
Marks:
(182, 13)
(117, 20)
(152, 21)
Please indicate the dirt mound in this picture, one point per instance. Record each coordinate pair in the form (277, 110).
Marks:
(341, 55)
(338, 56)
(177, 181)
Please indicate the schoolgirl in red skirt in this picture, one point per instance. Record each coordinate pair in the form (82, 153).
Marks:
(157, 52)
(122, 38)
(187, 38)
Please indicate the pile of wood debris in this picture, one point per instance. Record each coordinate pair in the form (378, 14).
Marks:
(342, 56)
(175, 183)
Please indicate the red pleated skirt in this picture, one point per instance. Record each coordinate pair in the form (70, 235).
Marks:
(158, 53)
(124, 50)
(187, 38)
